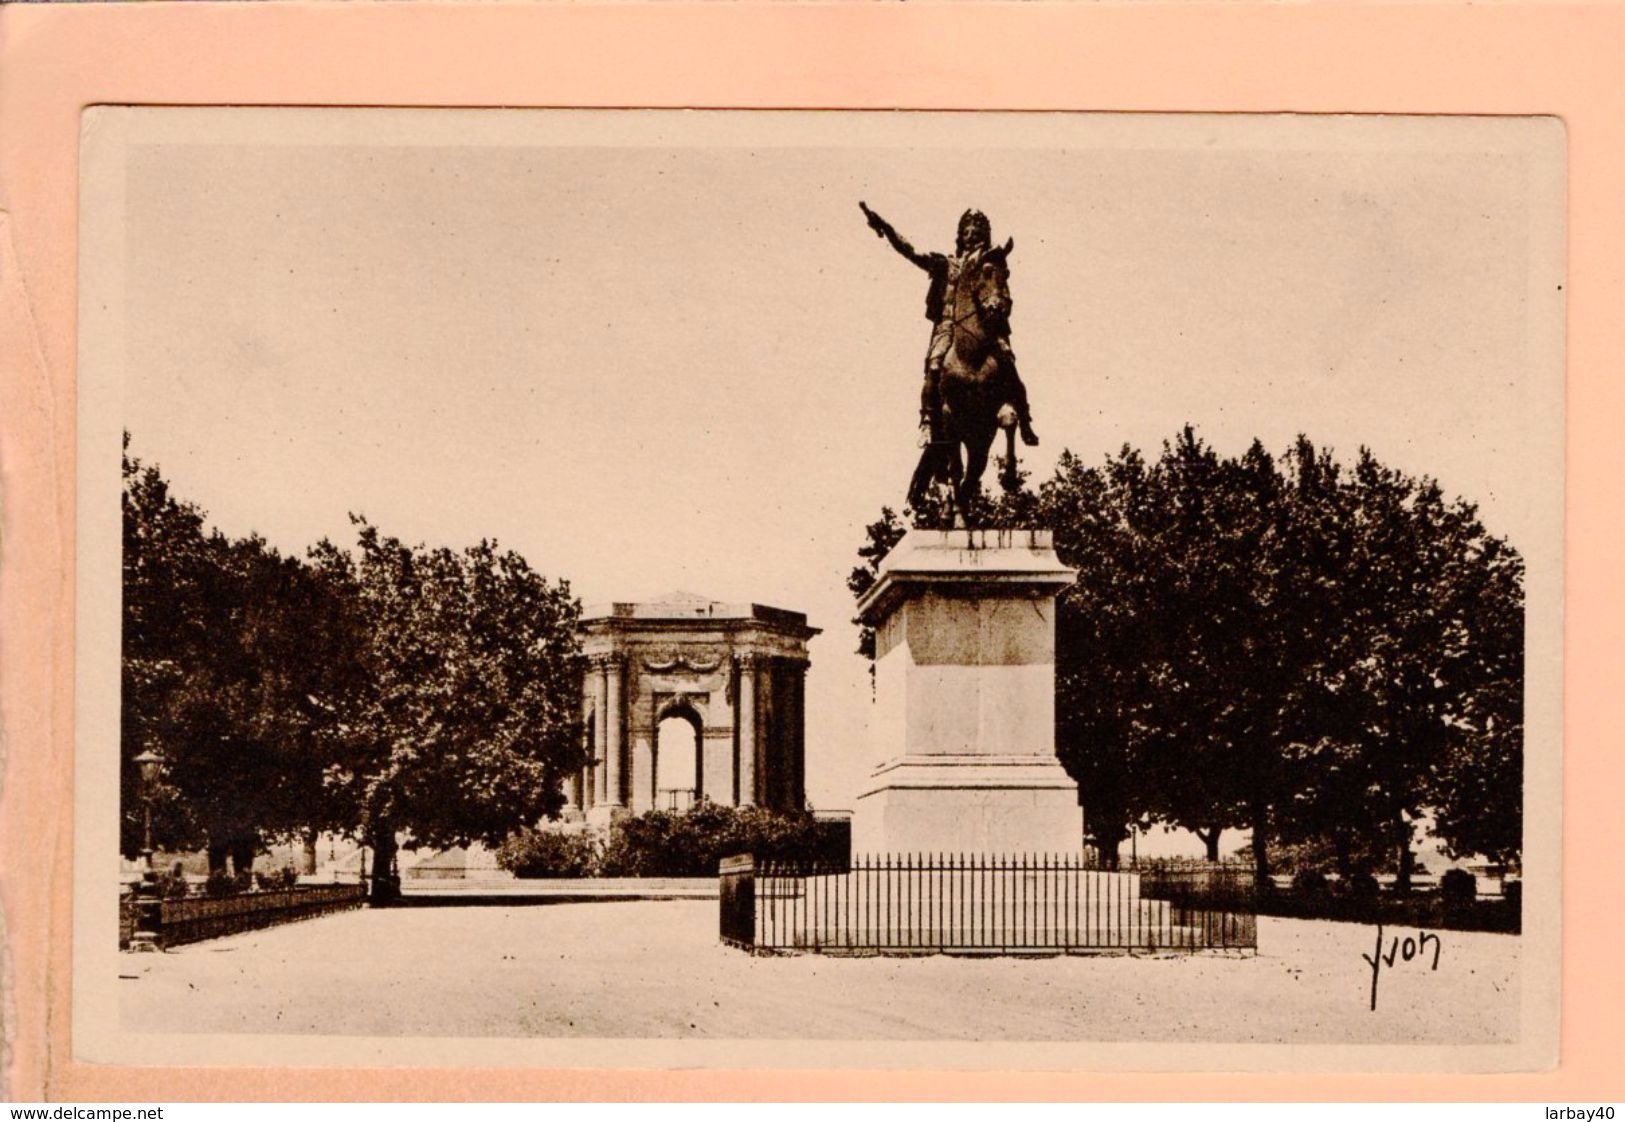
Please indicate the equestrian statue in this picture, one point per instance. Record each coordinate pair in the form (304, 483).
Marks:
(972, 389)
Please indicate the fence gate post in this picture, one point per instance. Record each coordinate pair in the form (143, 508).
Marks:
(736, 891)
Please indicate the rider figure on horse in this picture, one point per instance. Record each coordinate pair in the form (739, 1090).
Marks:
(975, 237)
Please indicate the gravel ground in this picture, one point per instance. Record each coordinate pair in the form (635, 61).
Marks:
(655, 969)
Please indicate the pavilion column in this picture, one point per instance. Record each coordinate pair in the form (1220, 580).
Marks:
(600, 730)
(745, 722)
(640, 760)
(575, 787)
(796, 737)
(614, 724)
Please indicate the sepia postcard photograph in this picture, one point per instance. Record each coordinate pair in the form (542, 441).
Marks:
(670, 588)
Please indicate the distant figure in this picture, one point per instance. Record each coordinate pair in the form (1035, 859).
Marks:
(971, 385)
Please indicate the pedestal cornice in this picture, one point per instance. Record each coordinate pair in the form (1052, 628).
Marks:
(980, 562)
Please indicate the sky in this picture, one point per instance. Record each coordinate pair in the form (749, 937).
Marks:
(661, 351)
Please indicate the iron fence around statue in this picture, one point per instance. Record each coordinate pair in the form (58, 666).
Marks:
(989, 904)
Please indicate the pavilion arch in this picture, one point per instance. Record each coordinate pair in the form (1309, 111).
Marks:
(678, 787)
(735, 672)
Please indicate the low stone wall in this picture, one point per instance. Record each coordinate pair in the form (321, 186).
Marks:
(566, 888)
(197, 918)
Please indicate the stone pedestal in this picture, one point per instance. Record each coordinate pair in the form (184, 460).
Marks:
(964, 715)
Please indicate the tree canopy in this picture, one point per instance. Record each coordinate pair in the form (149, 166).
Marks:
(464, 716)
(389, 688)
(228, 651)
(1312, 652)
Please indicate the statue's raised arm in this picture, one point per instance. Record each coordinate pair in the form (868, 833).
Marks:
(884, 229)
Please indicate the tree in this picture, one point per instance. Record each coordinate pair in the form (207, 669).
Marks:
(224, 657)
(1322, 656)
(464, 716)
(881, 536)
(225, 660)
(1437, 613)
(1108, 650)
(1218, 648)
(1324, 782)
(1208, 526)
(283, 661)
(165, 631)
(402, 688)
(1477, 788)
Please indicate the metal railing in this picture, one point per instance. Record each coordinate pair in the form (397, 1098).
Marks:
(916, 903)
(194, 919)
(675, 798)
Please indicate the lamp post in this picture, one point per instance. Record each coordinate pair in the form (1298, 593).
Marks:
(149, 906)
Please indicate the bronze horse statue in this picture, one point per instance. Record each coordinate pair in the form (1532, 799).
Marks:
(975, 386)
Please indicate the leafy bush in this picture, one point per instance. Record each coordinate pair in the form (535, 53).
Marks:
(1309, 882)
(221, 884)
(690, 844)
(550, 853)
(277, 879)
(1362, 886)
(1458, 886)
(1433, 911)
(171, 886)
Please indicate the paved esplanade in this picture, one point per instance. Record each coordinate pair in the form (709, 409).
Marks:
(656, 969)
